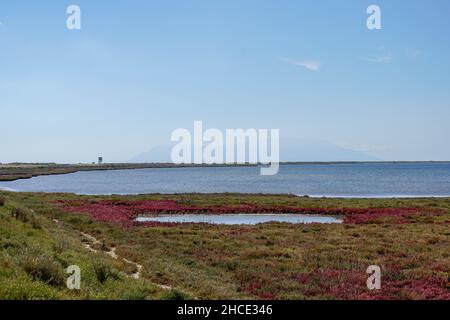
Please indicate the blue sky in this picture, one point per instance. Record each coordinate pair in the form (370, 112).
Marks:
(137, 70)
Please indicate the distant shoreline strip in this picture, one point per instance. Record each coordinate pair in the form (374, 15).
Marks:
(315, 196)
(8, 189)
(393, 196)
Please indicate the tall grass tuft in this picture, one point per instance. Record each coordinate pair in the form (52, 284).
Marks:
(20, 214)
(44, 269)
(26, 216)
(175, 294)
(103, 272)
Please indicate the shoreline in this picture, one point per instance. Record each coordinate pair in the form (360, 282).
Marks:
(315, 197)
(19, 171)
(394, 196)
(14, 172)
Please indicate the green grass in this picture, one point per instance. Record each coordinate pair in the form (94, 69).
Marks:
(33, 261)
(273, 260)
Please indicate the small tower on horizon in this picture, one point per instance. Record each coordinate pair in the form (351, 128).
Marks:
(100, 160)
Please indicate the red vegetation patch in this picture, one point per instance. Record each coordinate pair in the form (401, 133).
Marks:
(349, 284)
(124, 212)
(102, 212)
(257, 289)
(394, 215)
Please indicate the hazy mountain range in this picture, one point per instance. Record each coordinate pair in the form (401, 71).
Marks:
(290, 150)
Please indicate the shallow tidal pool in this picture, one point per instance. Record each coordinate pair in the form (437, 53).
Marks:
(238, 219)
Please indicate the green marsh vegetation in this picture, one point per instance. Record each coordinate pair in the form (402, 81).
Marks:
(35, 252)
(268, 261)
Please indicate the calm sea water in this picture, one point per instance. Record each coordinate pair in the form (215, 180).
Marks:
(232, 219)
(339, 180)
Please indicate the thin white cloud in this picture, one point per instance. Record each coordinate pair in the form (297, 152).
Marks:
(413, 53)
(312, 65)
(382, 56)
